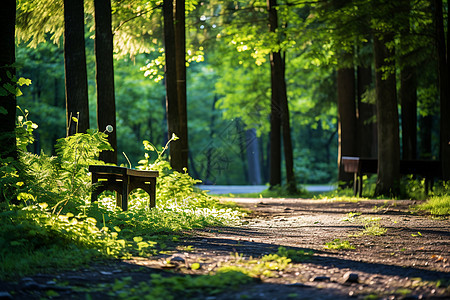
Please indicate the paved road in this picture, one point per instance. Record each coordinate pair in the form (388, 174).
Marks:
(244, 189)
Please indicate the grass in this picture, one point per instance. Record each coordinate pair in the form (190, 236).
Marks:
(33, 239)
(373, 227)
(436, 205)
(337, 244)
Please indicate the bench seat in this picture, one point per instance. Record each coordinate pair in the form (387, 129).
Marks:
(122, 180)
(359, 166)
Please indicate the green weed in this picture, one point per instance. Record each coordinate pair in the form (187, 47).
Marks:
(351, 217)
(337, 244)
(373, 226)
(296, 256)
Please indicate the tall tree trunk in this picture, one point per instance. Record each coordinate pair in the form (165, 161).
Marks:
(7, 71)
(408, 102)
(444, 85)
(280, 111)
(388, 124)
(106, 104)
(180, 52)
(346, 120)
(408, 93)
(366, 114)
(275, 109)
(77, 104)
(291, 182)
(173, 122)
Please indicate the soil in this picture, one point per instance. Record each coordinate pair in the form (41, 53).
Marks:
(410, 261)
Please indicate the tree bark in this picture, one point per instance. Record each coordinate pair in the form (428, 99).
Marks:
(275, 110)
(388, 124)
(408, 102)
(106, 104)
(291, 182)
(346, 120)
(280, 112)
(77, 104)
(173, 123)
(180, 52)
(444, 83)
(7, 71)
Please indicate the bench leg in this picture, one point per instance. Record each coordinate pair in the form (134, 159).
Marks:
(152, 193)
(125, 191)
(355, 184)
(360, 185)
(95, 192)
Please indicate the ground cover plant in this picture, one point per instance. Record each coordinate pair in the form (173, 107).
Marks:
(49, 222)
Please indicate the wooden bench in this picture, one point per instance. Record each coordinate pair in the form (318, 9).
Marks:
(123, 181)
(429, 169)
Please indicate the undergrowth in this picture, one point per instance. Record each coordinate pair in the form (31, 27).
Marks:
(47, 220)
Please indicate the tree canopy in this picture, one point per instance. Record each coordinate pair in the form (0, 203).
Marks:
(228, 77)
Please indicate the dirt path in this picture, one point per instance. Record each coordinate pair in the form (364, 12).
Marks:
(410, 261)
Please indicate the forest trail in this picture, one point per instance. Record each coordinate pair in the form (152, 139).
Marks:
(409, 261)
(404, 263)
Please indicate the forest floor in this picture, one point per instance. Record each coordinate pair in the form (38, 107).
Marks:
(410, 260)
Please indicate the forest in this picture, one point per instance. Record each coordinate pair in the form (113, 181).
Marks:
(325, 52)
(216, 92)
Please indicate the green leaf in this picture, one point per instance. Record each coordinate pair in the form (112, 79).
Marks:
(137, 239)
(24, 81)
(18, 92)
(10, 88)
(3, 110)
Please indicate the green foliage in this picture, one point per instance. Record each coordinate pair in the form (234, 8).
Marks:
(29, 234)
(337, 244)
(230, 83)
(175, 287)
(12, 85)
(11, 184)
(52, 212)
(372, 226)
(64, 179)
(436, 205)
(296, 256)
